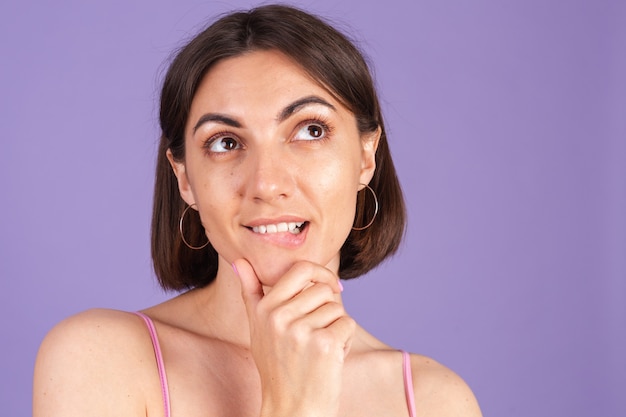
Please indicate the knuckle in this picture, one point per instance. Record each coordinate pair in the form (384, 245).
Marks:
(299, 335)
(327, 291)
(325, 342)
(278, 319)
(316, 272)
(334, 309)
(324, 292)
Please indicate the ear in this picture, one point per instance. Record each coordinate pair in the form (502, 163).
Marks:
(369, 144)
(181, 175)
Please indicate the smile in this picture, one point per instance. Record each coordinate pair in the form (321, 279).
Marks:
(291, 227)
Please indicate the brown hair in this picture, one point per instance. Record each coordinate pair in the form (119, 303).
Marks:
(331, 59)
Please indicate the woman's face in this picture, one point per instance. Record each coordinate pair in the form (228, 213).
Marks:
(273, 163)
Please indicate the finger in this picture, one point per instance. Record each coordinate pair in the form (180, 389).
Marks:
(251, 287)
(311, 298)
(296, 313)
(322, 317)
(300, 276)
(343, 330)
(334, 339)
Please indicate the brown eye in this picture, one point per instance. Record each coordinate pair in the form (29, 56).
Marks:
(312, 131)
(228, 143)
(315, 131)
(224, 144)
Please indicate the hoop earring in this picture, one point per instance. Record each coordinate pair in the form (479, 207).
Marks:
(375, 209)
(182, 235)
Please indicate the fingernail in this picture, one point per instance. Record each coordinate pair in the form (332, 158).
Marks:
(235, 269)
(340, 286)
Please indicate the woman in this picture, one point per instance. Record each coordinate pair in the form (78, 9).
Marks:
(272, 164)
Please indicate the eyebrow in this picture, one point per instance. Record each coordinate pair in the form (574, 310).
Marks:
(282, 116)
(216, 117)
(299, 104)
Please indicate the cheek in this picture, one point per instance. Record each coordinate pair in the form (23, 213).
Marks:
(217, 194)
(337, 186)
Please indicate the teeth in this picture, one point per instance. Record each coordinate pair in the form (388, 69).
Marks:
(291, 227)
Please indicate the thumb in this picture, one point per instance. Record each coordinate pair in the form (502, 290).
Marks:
(251, 288)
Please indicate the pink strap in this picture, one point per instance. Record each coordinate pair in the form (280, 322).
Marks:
(406, 371)
(159, 360)
(408, 383)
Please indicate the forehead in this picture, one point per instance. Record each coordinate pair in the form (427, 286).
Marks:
(262, 81)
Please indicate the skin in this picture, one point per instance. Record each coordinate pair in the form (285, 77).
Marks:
(265, 144)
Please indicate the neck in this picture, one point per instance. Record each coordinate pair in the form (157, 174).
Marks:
(218, 311)
(219, 308)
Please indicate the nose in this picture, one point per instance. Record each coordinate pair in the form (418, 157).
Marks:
(271, 175)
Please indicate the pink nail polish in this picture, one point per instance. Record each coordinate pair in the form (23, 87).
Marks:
(340, 286)
(235, 269)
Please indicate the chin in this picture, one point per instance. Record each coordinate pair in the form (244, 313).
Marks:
(270, 270)
(270, 273)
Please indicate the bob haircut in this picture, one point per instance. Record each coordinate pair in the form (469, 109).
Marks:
(330, 59)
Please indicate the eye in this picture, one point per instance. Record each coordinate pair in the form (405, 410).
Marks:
(223, 144)
(312, 131)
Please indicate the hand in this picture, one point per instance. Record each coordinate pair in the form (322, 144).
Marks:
(300, 335)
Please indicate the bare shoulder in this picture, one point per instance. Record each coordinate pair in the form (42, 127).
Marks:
(439, 391)
(93, 363)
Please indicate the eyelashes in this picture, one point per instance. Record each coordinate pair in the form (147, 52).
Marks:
(313, 130)
(316, 129)
(222, 142)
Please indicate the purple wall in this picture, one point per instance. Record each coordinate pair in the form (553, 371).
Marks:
(508, 125)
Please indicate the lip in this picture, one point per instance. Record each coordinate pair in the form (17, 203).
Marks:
(283, 239)
(275, 220)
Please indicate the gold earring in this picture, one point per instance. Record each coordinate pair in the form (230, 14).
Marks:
(375, 209)
(182, 235)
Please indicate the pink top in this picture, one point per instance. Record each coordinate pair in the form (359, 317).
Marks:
(408, 383)
(165, 392)
(406, 371)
